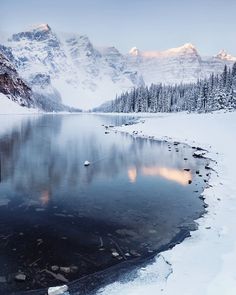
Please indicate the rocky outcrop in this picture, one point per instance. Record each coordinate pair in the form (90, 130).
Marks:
(12, 85)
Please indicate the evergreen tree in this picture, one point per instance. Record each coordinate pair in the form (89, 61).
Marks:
(216, 92)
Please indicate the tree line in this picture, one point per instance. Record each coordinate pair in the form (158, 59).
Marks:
(209, 94)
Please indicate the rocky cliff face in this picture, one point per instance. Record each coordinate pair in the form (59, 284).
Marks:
(12, 85)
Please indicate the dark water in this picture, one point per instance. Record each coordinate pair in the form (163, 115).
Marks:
(134, 198)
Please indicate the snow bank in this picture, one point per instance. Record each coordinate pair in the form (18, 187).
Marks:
(203, 264)
(8, 106)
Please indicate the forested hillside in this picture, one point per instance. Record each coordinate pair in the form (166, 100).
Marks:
(215, 93)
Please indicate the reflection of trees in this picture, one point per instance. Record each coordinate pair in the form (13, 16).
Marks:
(23, 149)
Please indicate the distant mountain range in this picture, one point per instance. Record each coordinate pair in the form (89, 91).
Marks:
(67, 69)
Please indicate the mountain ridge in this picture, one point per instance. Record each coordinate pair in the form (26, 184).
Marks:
(85, 75)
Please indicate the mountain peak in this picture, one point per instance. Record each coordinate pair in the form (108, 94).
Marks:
(223, 55)
(189, 46)
(41, 28)
(37, 32)
(134, 51)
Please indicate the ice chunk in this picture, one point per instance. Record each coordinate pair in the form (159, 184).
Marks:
(59, 290)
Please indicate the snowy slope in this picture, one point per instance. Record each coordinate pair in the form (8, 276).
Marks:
(203, 264)
(8, 106)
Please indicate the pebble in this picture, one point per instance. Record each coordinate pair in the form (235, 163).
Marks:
(115, 254)
(65, 269)
(54, 267)
(74, 268)
(135, 253)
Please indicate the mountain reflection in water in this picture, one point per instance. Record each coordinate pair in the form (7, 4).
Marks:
(179, 176)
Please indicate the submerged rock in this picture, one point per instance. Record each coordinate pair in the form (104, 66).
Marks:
(54, 267)
(3, 279)
(20, 277)
(135, 253)
(39, 209)
(74, 268)
(65, 269)
(4, 201)
(57, 276)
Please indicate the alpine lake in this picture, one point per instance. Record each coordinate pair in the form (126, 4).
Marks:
(64, 223)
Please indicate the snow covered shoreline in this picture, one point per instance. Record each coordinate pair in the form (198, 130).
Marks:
(203, 263)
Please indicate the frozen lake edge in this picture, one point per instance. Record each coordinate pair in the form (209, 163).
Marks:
(213, 245)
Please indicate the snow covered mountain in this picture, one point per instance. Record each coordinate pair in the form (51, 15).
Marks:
(177, 65)
(82, 74)
(223, 55)
(36, 93)
(70, 67)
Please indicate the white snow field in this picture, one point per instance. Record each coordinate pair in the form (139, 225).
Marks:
(203, 264)
(7, 106)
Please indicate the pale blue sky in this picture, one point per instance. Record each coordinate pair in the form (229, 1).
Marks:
(146, 24)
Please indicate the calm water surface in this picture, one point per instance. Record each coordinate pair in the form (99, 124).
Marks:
(58, 217)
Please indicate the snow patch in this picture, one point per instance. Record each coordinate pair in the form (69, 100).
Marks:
(205, 262)
(148, 277)
(8, 106)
